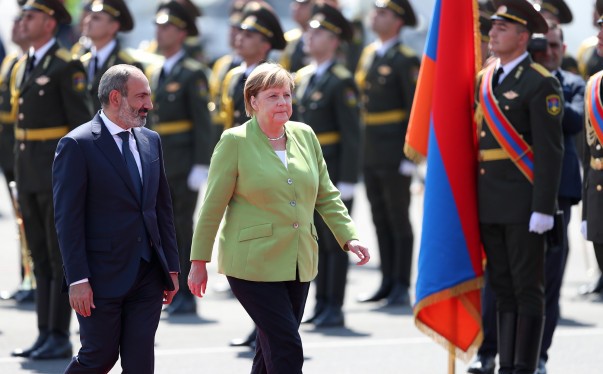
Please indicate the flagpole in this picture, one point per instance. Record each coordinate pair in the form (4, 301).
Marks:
(451, 359)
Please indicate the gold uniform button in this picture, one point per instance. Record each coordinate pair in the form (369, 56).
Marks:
(506, 107)
(41, 92)
(483, 134)
(22, 146)
(20, 100)
(598, 147)
(599, 188)
(482, 171)
(21, 116)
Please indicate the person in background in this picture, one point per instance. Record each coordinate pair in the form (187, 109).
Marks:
(269, 176)
(294, 57)
(326, 99)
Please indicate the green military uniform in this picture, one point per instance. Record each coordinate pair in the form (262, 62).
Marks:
(326, 99)
(511, 191)
(117, 56)
(8, 117)
(387, 84)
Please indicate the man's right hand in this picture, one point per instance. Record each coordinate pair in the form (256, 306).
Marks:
(80, 299)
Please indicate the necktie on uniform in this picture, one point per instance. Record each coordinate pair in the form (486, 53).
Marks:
(31, 63)
(131, 163)
(496, 77)
(161, 78)
(92, 69)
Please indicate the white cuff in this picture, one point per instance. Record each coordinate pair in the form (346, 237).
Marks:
(85, 280)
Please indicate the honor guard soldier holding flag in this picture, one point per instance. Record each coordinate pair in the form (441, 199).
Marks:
(181, 117)
(386, 76)
(519, 108)
(102, 23)
(50, 90)
(327, 101)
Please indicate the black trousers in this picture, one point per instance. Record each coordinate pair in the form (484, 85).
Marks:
(52, 305)
(332, 265)
(515, 267)
(388, 193)
(184, 202)
(124, 326)
(277, 309)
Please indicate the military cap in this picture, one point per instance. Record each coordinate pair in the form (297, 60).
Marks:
(401, 8)
(116, 9)
(522, 12)
(558, 8)
(329, 18)
(194, 10)
(599, 8)
(174, 13)
(235, 14)
(53, 8)
(21, 2)
(259, 17)
(486, 10)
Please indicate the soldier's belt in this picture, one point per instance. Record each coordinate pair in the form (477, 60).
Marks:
(385, 118)
(493, 154)
(48, 133)
(596, 163)
(328, 138)
(175, 127)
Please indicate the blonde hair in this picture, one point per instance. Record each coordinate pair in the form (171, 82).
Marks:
(265, 76)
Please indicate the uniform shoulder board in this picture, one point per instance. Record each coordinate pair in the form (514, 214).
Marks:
(151, 69)
(305, 71)
(86, 57)
(541, 69)
(293, 35)
(126, 57)
(192, 64)
(406, 51)
(63, 54)
(341, 72)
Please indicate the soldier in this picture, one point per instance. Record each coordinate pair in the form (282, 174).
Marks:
(105, 19)
(519, 111)
(181, 117)
(294, 57)
(50, 89)
(260, 32)
(219, 70)
(593, 165)
(386, 76)
(326, 98)
(589, 61)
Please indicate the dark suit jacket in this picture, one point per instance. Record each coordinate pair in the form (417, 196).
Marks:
(101, 225)
(573, 123)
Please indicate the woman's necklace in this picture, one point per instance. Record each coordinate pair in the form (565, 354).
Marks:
(277, 138)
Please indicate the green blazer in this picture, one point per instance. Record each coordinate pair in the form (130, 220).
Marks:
(268, 231)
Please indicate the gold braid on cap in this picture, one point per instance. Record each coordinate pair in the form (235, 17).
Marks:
(327, 25)
(550, 8)
(395, 7)
(41, 7)
(513, 18)
(164, 17)
(98, 6)
(251, 22)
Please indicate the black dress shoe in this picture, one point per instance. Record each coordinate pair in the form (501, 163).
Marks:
(318, 310)
(185, 305)
(56, 346)
(398, 296)
(331, 317)
(249, 341)
(381, 294)
(541, 369)
(26, 352)
(483, 364)
(24, 296)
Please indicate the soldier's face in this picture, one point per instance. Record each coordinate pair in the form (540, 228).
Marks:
(507, 38)
(99, 25)
(319, 42)
(36, 25)
(251, 45)
(600, 41)
(384, 21)
(169, 37)
(134, 107)
(273, 106)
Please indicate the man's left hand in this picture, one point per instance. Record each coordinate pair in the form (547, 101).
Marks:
(169, 295)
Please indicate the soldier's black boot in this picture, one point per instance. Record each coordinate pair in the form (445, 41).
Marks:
(527, 343)
(507, 326)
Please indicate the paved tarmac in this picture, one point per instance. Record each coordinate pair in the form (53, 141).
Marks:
(375, 339)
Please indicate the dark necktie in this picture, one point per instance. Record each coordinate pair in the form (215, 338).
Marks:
(131, 163)
(496, 77)
(161, 79)
(31, 63)
(93, 69)
(559, 77)
(311, 84)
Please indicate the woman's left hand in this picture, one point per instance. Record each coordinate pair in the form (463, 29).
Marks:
(359, 250)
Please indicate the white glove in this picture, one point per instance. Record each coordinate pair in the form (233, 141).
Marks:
(541, 223)
(197, 176)
(583, 228)
(346, 190)
(407, 168)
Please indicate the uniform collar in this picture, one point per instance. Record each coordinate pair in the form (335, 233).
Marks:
(40, 52)
(103, 54)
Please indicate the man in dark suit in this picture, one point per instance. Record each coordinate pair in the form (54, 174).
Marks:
(115, 227)
(49, 87)
(327, 100)
(181, 118)
(519, 110)
(386, 76)
(101, 24)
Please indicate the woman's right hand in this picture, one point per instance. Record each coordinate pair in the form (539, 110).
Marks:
(197, 278)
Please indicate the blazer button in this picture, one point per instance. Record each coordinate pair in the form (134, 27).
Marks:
(296, 225)
(292, 203)
(289, 181)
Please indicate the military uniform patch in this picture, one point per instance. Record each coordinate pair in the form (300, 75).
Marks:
(350, 97)
(553, 104)
(78, 80)
(202, 87)
(172, 87)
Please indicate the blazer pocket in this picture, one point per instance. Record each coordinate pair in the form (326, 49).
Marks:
(313, 231)
(99, 245)
(255, 232)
